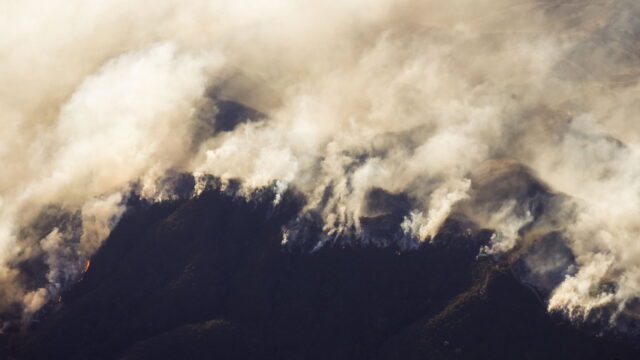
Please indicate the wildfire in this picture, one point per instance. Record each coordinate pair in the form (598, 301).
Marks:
(87, 264)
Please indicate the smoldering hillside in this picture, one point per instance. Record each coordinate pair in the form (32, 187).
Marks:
(389, 118)
(206, 277)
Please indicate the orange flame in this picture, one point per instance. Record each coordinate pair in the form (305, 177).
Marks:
(86, 266)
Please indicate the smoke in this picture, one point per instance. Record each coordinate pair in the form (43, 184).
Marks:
(517, 115)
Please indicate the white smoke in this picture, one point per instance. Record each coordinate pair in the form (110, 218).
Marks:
(412, 97)
(127, 121)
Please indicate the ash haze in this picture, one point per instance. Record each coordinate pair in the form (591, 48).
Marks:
(446, 102)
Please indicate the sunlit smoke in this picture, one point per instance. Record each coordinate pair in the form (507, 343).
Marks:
(519, 116)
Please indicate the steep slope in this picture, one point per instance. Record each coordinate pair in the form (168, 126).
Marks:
(207, 278)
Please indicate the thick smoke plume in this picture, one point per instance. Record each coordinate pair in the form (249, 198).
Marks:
(519, 116)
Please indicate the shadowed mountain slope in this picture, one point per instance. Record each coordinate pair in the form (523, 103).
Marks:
(208, 278)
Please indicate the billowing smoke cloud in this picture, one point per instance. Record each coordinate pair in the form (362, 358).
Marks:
(516, 115)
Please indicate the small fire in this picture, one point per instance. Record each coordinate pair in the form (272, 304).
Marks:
(87, 264)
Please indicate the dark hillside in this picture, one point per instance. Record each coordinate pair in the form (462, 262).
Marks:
(207, 278)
